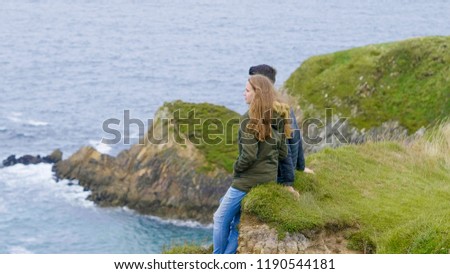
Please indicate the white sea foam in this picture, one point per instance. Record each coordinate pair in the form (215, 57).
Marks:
(183, 223)
(129, 210)
(19, 250)
(17, 118)
(74, 194)
(36, 123)
(100, 147)
(180, 223)
(31, 240)
(175, 222)
(38, 181)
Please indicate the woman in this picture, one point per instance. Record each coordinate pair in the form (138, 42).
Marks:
(261, 145)
(296, 158)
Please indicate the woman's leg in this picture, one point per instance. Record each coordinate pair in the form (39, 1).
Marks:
(234, 235)
(229, 208)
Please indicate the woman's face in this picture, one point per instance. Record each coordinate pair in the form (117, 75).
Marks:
(249, 93)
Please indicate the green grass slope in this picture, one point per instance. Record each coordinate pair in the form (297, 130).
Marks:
(210, 128)
(406, 81)
(394, 198)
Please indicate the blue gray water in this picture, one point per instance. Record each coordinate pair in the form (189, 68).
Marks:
(66, 66)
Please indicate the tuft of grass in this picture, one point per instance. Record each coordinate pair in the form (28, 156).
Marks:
(188, 249)
(393, 195)
(436, 142)
(362, 241)
(423, 235)
(406, 81)
(269, 203)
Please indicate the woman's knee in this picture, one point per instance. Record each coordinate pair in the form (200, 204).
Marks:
(217, 217)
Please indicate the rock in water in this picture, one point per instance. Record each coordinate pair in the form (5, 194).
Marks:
(10, 161)
(54, 157)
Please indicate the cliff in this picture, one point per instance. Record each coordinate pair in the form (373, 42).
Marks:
(385, 91)
(173, 171)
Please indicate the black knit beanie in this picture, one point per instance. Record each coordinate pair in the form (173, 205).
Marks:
(265, 70)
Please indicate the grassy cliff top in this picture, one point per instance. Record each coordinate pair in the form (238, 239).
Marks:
(407, 81)
(394, 197)
(210, 128)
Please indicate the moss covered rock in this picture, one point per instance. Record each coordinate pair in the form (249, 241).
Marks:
(177, 170)
(407, 82)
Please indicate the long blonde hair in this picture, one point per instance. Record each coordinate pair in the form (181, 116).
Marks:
(260, 109)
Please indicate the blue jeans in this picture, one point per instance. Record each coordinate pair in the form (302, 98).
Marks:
(226, 220)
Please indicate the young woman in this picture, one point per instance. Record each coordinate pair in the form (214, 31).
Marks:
(296, 158)
(261, 145)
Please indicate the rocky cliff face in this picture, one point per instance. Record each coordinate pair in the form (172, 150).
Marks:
(165, 179)
(256, 237)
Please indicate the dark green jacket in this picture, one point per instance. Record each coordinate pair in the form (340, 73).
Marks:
(257, 162)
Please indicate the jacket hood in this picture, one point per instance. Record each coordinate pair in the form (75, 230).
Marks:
(280, 113)
(282, 109)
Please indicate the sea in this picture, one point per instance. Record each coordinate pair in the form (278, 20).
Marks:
(68, 66)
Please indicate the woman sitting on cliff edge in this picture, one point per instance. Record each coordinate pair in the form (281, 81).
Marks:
(261, 146)
(296, 158)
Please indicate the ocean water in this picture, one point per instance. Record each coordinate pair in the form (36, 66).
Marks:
(67, 66)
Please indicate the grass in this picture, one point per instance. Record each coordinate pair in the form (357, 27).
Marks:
(211, 128)
(407, 81)
(188, 248)
(394, 196)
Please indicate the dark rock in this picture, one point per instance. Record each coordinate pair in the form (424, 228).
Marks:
(29, 159)
(54, 157)
(10, 161)
(387, 131)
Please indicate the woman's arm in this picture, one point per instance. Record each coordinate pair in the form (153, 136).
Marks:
(248, 151)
